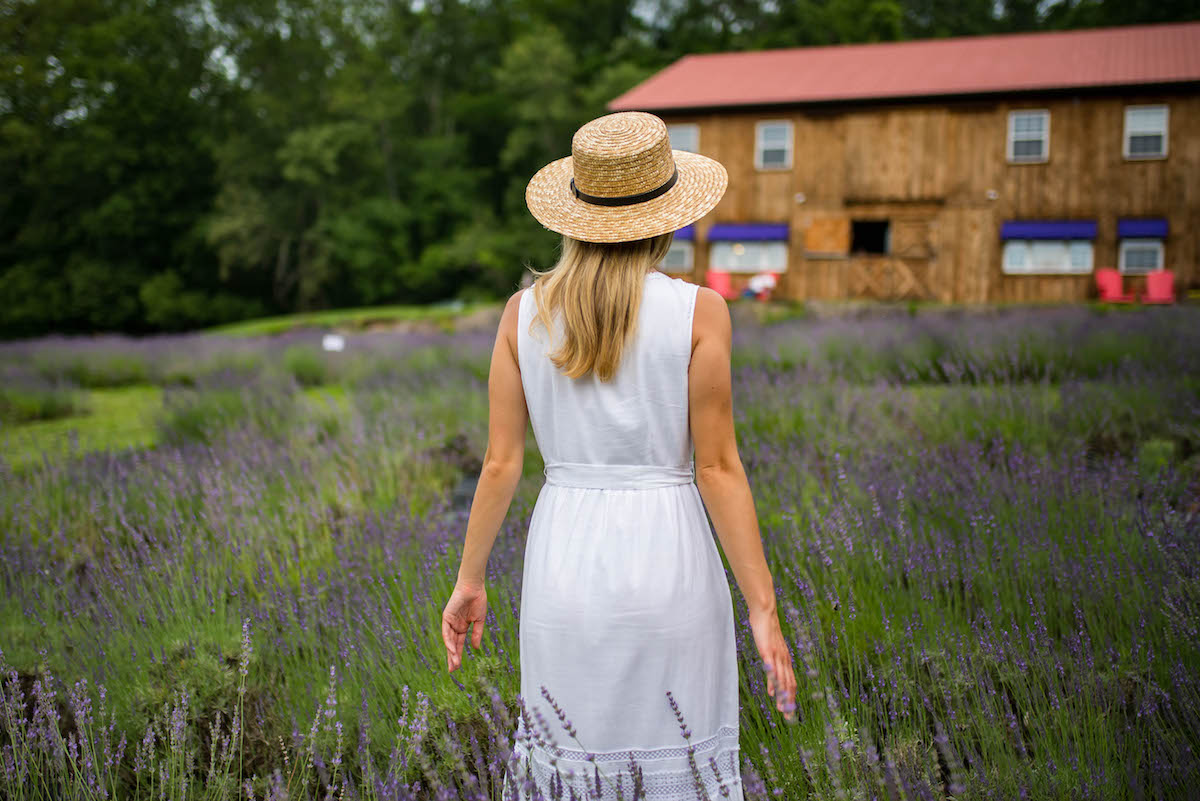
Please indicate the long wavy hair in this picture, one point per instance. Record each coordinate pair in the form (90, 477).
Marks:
(597, 289)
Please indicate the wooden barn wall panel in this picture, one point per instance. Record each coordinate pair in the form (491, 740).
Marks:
(975, 255)
(896, 154)
(771, 196)
(940, 173)
(732, 144)
(1182, 249)
(941, 259)
(819, 156)
(825, 279)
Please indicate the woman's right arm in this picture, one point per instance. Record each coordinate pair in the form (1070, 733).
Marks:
(722, 482)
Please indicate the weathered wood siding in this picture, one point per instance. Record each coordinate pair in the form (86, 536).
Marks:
(940, 174)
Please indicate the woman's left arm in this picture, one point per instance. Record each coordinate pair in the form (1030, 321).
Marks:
(508, 418)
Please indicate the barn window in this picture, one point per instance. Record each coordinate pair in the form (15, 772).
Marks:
(773, 145)
(1047, 246)
(1139, 256)
(1028, 136)
(1145, 132)
(748, 247)
(1141, 244)
(748, 257)
(870, 236)
(1047, 256)
(685, 136)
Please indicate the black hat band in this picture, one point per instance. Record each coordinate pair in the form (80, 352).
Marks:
(626, 200)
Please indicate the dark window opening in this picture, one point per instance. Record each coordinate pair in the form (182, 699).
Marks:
(869, 236)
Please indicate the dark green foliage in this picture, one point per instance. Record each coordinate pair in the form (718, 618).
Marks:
(22, 404)
(174, 165)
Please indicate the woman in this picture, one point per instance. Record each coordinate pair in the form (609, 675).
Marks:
(626, 624)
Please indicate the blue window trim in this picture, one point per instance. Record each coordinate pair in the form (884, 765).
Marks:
(748, 232)
(1142, 228)
(1048, 229)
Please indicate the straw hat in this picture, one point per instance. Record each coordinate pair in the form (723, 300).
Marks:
(623, 181)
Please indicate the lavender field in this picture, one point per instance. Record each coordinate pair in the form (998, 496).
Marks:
(225, 561)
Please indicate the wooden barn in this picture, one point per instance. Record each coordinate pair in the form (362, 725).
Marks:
(968, 170)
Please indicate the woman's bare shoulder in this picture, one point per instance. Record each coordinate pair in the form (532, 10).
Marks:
(711, 316)
(508, 319)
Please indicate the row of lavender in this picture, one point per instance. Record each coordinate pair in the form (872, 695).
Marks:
(990, 586)
(946, 346)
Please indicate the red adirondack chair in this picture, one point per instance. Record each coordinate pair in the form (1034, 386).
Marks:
(1160, 287)
(1108, 281)
(722, 282)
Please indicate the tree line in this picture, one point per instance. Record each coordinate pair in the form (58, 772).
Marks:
(169, 164)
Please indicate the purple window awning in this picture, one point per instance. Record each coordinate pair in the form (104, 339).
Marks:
(1145, 228)
(1048, 229)
(748, 232)
(687, 233)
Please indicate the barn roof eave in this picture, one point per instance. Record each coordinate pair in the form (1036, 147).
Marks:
(1095, 90)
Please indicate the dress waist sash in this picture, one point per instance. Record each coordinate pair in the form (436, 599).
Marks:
(616, 476)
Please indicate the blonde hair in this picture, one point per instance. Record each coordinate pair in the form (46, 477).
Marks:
(598, 289)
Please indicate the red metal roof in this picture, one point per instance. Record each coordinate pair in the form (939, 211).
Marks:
(1142, 54)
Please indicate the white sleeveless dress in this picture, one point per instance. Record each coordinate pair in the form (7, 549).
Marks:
(624, 596)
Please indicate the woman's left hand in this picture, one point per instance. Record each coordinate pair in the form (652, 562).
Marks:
(467, 604)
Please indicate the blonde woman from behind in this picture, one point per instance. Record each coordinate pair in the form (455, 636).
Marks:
(627, 646)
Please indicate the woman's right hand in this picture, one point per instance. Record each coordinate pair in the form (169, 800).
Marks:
(777, 660)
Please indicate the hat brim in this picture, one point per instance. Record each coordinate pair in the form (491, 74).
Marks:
(697, 191)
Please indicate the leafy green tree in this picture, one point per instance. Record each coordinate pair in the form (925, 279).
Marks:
(185, 162)
(1100, 13)
(104, 157)
(940, 18)
(1020, 15)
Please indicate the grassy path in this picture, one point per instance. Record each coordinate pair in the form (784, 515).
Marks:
(118, 418)
(443, 314)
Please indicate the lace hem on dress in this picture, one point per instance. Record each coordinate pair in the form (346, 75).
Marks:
(658, 774)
